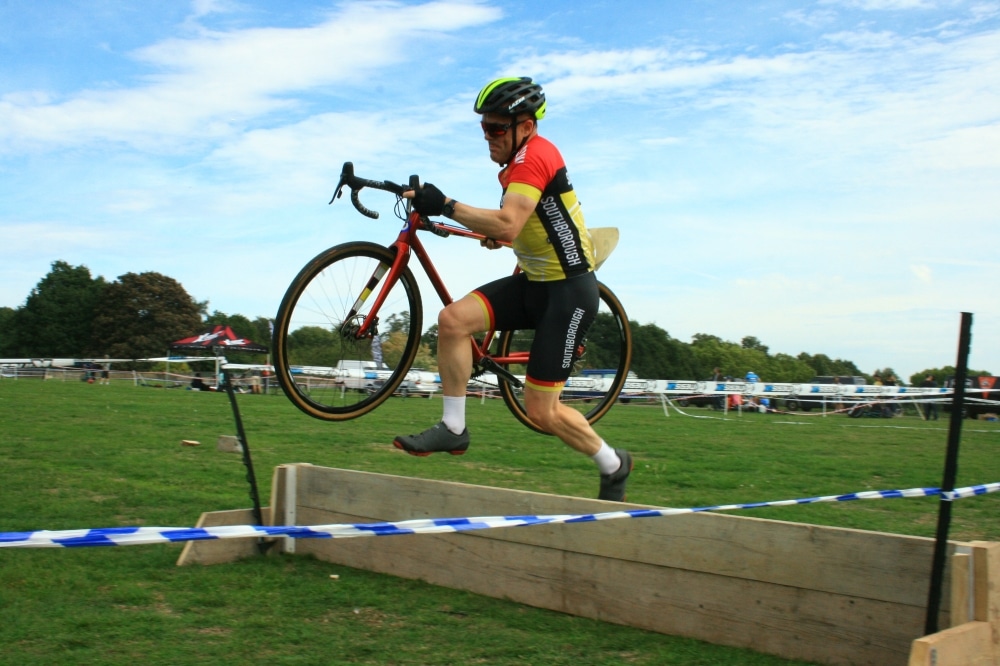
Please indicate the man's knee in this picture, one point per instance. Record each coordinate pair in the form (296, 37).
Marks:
(543, 413)
(460, 318)
(542, 418)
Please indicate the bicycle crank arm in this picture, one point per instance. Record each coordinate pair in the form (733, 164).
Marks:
(487, 364)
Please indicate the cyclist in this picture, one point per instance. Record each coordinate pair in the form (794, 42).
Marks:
(555, 293)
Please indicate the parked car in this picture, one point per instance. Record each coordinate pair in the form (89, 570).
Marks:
(988, 390)
(715, 401)
(407, 388)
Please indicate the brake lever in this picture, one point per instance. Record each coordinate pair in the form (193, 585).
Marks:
(346, 174)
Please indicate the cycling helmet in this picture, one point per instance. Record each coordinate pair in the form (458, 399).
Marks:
(512, 96)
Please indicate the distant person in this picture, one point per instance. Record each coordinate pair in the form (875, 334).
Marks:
(932, 408)
(198, 384)
(106, 372)
(839, 405)
(892, 408)
(752, 377)
(719, 399)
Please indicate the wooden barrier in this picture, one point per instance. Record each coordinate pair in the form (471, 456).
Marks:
(822, 594)
(975, 642)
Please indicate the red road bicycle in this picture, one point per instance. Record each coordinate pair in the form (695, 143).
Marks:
(354, 292)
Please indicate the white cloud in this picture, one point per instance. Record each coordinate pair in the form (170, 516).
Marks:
(922, 272)
(212, 85)
(883, 5)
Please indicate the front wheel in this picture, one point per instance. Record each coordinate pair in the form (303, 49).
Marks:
(603, 367)
(333, 359)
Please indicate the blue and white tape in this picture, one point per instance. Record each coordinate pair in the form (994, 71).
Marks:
(133, 536)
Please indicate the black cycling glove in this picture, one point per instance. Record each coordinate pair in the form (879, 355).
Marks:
(428, 200)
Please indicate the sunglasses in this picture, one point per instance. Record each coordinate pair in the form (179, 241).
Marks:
(496, 129)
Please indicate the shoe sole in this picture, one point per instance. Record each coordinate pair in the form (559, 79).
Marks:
(631, 466)
(423, 454)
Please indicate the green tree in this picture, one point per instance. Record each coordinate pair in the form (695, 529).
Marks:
(57, 316)
(941, 375)
(260, 331)
(711, 351)
(313, 345)
(823, 365)
(656, 355)
(787, 368)
(751, 342)
(7, 331)
(141, 314)
(602, 335)
(395, 323)
(240, 324)
(430, 339)
(425, 359)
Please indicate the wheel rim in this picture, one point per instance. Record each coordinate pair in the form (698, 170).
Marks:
(317, 328)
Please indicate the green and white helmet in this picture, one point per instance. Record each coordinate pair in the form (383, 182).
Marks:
(512, 96)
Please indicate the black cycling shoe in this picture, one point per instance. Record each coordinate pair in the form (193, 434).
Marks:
(437, 439)
(613, 485)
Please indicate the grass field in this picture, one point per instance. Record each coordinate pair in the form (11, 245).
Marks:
(74, 455)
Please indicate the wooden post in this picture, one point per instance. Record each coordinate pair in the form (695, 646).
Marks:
(975, 643)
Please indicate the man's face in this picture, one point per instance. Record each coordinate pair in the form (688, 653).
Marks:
(498, 131)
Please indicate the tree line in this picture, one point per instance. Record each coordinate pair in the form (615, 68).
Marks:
(71, 314)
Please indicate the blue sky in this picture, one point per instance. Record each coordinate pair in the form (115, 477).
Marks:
(821, 174)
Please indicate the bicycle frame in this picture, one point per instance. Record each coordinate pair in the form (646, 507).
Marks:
(407, 243)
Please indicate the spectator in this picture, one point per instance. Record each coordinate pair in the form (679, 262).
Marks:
(892, 408)
(719, 399)
(931, 410)
(198, 384)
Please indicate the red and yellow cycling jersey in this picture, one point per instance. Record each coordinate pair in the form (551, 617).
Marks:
(554, 243)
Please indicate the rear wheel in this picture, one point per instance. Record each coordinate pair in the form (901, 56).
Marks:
(607, 356)
(319, 325)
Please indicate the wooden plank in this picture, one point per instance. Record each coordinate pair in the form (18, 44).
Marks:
(975, 643)
(986, 573)
(222, 550)
(961, 585)
(282, 513)
(969, 644)
(790, 622)
(873, 565)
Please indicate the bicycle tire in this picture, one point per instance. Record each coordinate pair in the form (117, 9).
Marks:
(312, 332)
(608, 346)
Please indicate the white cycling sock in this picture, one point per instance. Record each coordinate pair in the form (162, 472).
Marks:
(606, 458)
(454, 413)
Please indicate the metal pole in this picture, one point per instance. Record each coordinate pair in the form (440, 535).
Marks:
(950, 473)
(247, 461)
